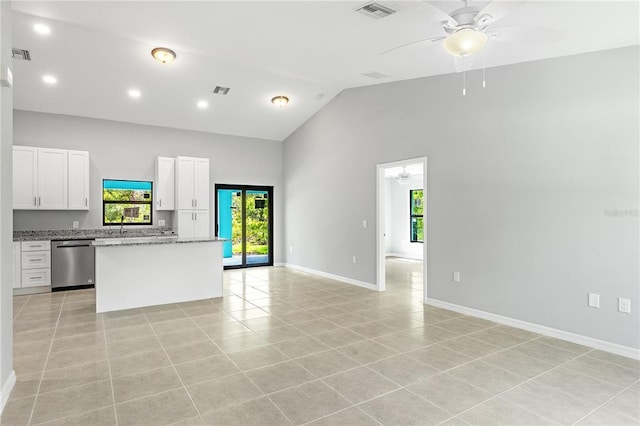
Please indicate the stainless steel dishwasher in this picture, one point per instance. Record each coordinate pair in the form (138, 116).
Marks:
(72, 264)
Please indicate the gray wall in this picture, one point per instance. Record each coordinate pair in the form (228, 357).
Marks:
(128, 151)
(6, 291)
(532, 187)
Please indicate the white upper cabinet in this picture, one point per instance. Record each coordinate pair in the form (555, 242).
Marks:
(50, 179)
(192, 183)
(165, 184)
(201, 183)
(78, 180)
(25, 177)
(53, 179)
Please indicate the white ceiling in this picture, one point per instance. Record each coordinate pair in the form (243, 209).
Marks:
(305, 50)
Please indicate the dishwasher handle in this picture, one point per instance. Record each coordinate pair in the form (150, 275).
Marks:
(71, 243)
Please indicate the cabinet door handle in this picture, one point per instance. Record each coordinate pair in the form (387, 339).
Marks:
(86, 201)
(160, 201)
(35, 201)
(196, 200)
(39, 204)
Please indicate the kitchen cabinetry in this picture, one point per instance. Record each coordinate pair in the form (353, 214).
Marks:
(50, 179)
(17, 268)
(25, 177)
(78, 180)
(192, 183)
(192, 223)
(165, 183)
(35, 264)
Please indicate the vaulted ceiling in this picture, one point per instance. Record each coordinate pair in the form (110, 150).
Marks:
(306, 50)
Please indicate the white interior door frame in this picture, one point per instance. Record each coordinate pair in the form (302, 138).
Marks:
(381, 200)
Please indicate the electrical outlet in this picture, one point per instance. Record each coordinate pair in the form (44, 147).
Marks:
(355, 260)
(161, 222)
(364, 224)
(75, 224)
(290, 249)
(624, 305)
(594, 300)
(456, 277)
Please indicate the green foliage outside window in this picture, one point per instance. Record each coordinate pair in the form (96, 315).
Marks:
(257, 224)
(416, 201)
(120, 194)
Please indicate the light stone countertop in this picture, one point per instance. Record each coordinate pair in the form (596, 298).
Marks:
(151, 240)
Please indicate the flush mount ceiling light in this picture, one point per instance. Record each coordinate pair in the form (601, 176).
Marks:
(164, 55)
(280, 101)
(202, 104)
(465, 42)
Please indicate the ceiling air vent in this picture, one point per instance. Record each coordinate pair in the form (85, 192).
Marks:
(20, 54)
(219, 90)
(375, 10)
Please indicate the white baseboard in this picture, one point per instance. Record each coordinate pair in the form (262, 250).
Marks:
(332, 276)
(7, 387)
(614, 348)
(279, 264)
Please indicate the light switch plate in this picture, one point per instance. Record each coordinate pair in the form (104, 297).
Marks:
(456, 277)
(161, 222)
(75, 224)
(594, 300)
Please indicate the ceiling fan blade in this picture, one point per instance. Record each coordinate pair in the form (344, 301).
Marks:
(441, 15)
(525, 34)
(496, 10)
(427, 41)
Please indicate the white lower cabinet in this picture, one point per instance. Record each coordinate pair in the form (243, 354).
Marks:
(31, 264)
(192, 223)
(36, 277)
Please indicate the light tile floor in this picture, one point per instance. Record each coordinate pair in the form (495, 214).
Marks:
(283, 347)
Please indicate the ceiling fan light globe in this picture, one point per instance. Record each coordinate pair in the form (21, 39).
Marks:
(465, 42)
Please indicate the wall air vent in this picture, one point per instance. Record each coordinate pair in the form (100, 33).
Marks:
(20, 54)
(375, 75)
(375, 10)
(219, 90)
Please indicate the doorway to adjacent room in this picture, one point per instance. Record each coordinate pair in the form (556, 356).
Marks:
(244, 216)
(402, 227)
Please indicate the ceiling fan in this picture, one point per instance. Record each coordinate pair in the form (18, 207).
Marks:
(467, 27)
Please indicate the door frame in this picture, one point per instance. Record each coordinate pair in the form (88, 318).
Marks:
(244, 189)
(381, 201)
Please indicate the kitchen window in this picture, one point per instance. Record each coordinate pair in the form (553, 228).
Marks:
(416, 215)
(126, 202)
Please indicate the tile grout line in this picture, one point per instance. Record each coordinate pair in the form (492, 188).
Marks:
(44, 368)
(605, 403)
(106, 348)
(172, 364)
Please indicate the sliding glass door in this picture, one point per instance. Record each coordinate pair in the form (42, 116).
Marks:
(244, 217)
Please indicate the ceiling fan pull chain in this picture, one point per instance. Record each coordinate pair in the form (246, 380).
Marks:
(464, 79)
(484, 74)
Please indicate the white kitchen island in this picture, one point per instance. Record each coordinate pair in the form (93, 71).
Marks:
(138, 272)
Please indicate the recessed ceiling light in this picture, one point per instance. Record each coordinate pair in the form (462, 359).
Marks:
(134, 93)
(202, 104)
(280, 101)
(163, 54)
(49, 79)
(42, 29)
